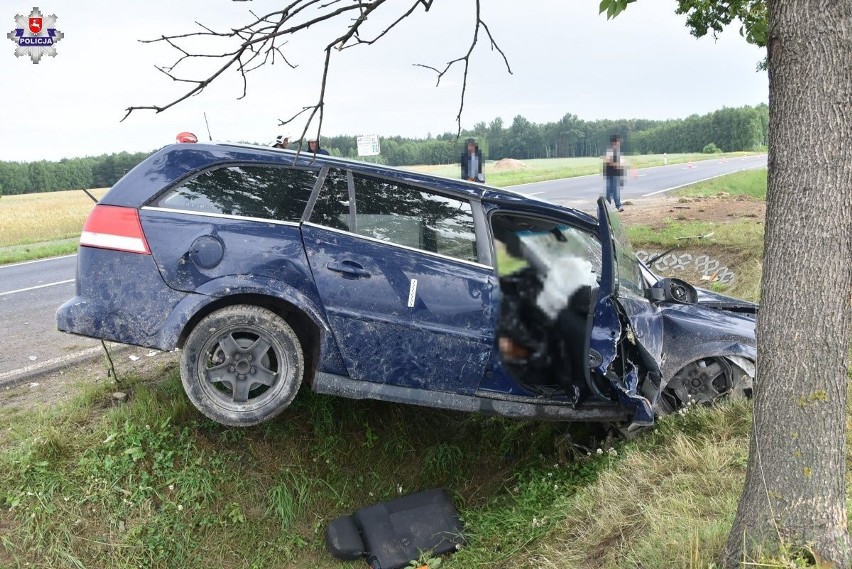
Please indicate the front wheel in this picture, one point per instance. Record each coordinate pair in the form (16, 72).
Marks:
(242, 365)
(707, 380)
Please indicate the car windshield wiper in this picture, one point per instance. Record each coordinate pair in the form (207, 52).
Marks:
(656, 258)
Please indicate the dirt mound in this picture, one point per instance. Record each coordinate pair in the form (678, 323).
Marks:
(509, 164)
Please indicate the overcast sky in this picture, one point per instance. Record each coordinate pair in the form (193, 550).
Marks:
(565, 58)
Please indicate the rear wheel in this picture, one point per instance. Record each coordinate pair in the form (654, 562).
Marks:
(242, 365)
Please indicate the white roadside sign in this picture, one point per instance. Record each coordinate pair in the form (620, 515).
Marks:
(368, 145)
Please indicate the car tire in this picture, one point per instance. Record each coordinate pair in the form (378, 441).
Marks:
(704, 381)
(242, 365)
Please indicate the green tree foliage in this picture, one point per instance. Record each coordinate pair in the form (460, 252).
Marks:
(703, 16)
(731, 129)
(67, 174)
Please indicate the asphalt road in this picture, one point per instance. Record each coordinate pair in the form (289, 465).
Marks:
(31, 292)
(582, 191)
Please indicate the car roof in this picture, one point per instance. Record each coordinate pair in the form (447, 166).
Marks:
(174, 162)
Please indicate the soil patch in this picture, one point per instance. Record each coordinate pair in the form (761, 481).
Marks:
(58, 386)
(509, 164)
(657, 212)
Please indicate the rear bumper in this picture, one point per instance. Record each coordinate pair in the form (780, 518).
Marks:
(120, 297)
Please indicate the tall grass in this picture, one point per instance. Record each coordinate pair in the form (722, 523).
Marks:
(669, 503)
(152, 483)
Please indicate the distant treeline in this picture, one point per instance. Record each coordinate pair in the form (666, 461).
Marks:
(67, 174)
(728, 129)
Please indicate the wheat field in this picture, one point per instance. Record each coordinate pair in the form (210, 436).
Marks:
(35, 218)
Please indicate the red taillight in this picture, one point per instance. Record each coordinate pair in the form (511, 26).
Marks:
(113, 227)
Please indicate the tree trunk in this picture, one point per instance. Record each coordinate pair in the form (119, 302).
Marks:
(795, 492)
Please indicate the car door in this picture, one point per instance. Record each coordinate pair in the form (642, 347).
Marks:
(607, 329)
(558, 317)
(396, 267)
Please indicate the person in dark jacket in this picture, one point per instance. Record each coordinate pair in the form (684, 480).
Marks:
(614, 172)
(471, 162)
(314, 147)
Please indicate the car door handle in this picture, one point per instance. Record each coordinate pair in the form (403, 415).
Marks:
(350, 269)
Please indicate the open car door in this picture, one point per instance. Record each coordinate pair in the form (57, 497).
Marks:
(609, 357)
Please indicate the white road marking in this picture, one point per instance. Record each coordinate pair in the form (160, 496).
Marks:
(30, 369)
(36, 287)
(36, 261)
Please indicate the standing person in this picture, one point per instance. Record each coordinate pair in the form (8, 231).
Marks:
(314, 147)
(613, 172)
(281, 142)
(471, 162)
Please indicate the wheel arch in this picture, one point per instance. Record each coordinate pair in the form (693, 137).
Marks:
(674, 363)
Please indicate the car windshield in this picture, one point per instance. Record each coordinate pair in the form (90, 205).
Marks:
(547, 248)
(629, 271)
(551, 248)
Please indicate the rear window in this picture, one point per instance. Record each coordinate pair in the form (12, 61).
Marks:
(264, 192)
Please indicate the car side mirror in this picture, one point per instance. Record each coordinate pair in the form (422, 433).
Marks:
(672, 290)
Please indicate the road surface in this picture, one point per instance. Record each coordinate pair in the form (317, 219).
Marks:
(582, 191)
(31, 292)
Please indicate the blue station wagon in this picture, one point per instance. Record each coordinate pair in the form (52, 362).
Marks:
(269, 269)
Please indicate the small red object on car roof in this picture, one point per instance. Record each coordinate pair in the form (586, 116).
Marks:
(186, 137)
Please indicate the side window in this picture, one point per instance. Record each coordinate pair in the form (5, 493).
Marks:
(332, 206)
(265, 192)
(404, 215)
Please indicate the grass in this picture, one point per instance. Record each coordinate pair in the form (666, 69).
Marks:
(670, 502)
(152, 483)
(740, 234)
(21, 253)
(738, 242)
(750, 183)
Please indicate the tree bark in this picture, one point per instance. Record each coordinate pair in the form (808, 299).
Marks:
(795, 491)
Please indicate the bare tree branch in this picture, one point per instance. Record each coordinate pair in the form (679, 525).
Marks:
(264, 38)
(465, 60)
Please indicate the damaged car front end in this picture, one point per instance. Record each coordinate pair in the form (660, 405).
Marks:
(620, 333)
